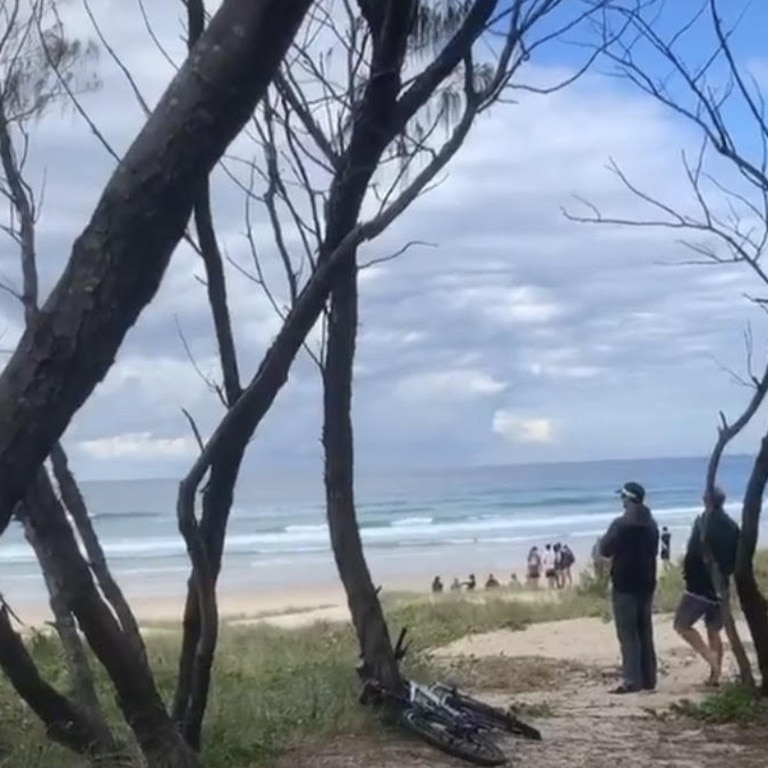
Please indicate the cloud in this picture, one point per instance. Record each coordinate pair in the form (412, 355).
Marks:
(515, 428)
(457, 384)
(516, 312)
(142, 446)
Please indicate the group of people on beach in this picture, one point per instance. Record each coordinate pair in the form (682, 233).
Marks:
(470, 585)
(631, 545)
(555, 563)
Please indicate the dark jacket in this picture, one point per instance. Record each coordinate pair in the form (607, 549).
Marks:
(723, 540)
(632, 542)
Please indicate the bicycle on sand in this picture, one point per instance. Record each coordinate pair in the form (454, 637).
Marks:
(445, 718)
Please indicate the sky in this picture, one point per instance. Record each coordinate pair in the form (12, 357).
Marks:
(508, 333)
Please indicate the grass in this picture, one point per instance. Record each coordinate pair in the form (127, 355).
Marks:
(732, 704)
(275, 689)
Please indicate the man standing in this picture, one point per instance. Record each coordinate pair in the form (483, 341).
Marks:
(701, 600)
(632, 544)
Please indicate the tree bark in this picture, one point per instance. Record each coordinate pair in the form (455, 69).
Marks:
(118, 261)
(137, 694)
(64, 722)
(75, 503)
(719, 580)
(372, 132)
(195, 661)
(752, 600)
(80, 670)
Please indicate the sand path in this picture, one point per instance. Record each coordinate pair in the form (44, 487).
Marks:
(584, 726)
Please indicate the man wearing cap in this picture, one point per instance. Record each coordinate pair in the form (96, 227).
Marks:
(701, 600)
(631, 543)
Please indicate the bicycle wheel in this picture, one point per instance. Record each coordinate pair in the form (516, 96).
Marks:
(493, 717)
(472, 747)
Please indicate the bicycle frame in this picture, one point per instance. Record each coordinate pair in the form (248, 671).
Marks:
(428, 697)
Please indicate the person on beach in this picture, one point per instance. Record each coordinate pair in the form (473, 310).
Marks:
(437, 585)
(492, 582)
(533, 573)
(559, 577)
(548, 563)
(666, 548)
(471, 583)
(631, 543)
(568, 560)
(701, 600)
(455, 585)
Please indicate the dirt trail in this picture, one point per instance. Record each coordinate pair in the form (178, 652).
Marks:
(584, 726)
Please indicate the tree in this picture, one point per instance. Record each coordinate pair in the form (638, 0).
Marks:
(38, 62)
(727, 223)
(374, 113)
(70, 343)
(139, 219)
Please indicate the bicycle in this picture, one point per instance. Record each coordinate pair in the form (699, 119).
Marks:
(445, 718)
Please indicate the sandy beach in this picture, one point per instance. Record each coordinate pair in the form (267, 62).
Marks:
(291, 605)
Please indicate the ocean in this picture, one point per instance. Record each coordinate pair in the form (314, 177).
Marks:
(414, 525)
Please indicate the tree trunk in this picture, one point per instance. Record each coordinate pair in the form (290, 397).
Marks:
(80, 671)
(752, 600)
(192, 690)
(137, 694)
(374, 127)
(118, 261)
(64, 722)
(364, 604)
(75, 504)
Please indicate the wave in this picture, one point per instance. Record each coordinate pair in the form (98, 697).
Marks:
(393, 525)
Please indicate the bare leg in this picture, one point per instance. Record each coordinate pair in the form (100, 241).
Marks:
(716, 649)
(695, 640)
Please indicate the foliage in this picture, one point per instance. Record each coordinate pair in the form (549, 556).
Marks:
(39, 62)
(730, 704)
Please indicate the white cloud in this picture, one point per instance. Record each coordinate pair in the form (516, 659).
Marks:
(142, 446)
(516, 428)
(506, 305)
(457, 384)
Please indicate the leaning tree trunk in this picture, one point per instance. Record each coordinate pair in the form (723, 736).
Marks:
(720, 580)
(137, 695)
(80, 671)
(64, 722)
(752, 600)
(364, 604)
(118, 261)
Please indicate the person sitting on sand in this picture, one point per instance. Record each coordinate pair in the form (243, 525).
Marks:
(455, 585)
(701, 600)
(471, 583)
(666, 548)
(492, 582)
(533, 573)
(437, 585)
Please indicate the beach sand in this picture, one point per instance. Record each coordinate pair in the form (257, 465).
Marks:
(583, 726)
(288, 607)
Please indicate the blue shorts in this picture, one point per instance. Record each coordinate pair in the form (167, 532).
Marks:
(692, 608)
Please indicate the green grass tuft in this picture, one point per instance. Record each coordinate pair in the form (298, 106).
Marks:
(733, 704)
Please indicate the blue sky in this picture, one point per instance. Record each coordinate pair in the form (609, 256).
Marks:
(515, 336)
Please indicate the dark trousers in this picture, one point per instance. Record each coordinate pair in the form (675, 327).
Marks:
(633, 615)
